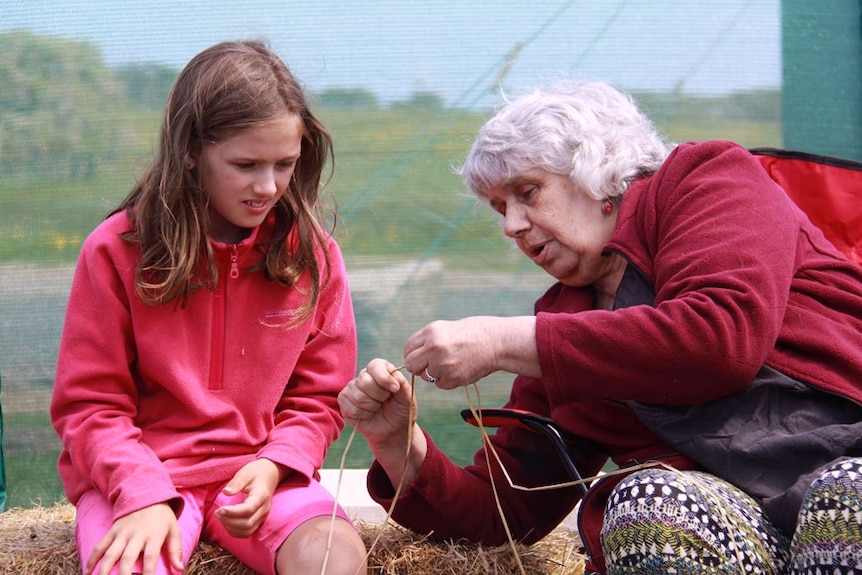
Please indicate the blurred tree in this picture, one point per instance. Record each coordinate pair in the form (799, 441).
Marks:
(421, 100)
(61, 109)
(147, 85)
(753, 105)
(347, 98)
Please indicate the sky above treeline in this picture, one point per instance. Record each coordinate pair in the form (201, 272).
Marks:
(456, 48)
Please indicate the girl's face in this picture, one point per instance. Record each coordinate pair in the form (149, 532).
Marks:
(245, 175)
(558, 226)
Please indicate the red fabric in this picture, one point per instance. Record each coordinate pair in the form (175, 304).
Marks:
(150, 397)
(742, 279)
(830, 193)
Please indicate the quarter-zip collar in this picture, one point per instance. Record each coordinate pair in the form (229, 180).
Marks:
(232, 260)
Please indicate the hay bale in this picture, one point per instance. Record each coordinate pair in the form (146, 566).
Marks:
(41, 541)
(398, 551)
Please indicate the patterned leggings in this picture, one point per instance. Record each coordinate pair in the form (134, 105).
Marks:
(662, 521)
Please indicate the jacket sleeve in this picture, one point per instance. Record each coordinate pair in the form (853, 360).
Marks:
(308, 419)
(718, 239)
(449, 502)
(94, 400)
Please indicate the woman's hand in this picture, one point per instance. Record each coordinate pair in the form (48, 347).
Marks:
(257, 480)
(377, 402)
(459, 353)
(140, 534)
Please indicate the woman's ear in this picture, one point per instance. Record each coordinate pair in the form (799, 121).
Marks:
(190, 162)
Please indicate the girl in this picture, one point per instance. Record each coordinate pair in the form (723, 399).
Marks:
(208, 333)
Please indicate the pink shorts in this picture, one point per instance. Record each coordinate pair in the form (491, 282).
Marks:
(293, 503)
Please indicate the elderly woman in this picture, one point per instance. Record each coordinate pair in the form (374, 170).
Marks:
(702, 334)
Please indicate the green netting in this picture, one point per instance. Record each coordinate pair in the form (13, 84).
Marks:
(2, 457)
(822, 88)
(402, 86)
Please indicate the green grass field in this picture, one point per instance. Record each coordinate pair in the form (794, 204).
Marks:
(393, 186)
(399, 203)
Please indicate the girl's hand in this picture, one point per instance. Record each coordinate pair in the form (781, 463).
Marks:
(141, 534)
(459, 353)
(377, 402)
(257, 480)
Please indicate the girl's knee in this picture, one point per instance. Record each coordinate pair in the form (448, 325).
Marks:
(321, 545)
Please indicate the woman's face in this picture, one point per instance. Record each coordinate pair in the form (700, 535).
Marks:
(245, 175)
(555, 224)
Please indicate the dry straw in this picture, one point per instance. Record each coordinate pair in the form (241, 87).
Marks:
(41, 541)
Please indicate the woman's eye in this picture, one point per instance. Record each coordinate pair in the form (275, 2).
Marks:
(528, 192)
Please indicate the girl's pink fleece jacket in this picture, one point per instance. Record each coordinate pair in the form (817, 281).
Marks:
(149, 399)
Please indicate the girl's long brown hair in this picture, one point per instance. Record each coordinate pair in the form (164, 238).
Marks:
(225, 89)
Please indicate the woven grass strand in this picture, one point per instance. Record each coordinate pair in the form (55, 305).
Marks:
(489, 447)
(583, 481)
(486, 444)
(411, 421)
(490, 451)
(335, 505)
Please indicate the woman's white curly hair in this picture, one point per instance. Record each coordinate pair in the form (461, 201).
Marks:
(590, 132)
